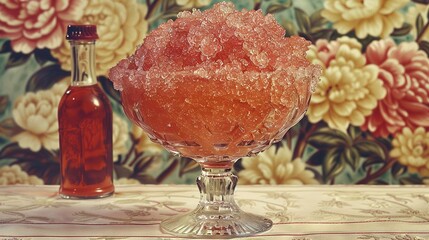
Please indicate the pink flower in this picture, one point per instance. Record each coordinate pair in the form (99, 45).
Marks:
(404, 71)
(325, 51)
(37, 23)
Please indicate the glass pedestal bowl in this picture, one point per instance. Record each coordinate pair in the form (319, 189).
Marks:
(216, 86)
(215, 128)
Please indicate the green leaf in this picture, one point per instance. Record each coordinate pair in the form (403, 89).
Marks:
(6, 47)
(316, 19)
(45, 168)
(316, 159)
(398, 169)
(303, 20)
(121, 171)
(187, 165)
(332, 165)
(289, 27)
(275, 8)
(377, 182)
(354, 132)
(107, 86)
(44, 164)
(368, 149)
(351, 157)
(146, 179)
(317, 34)
(43, 56)
(4, 101)
(173, 163)
(9, 128)
(306, 36)
(13, 151)
(384, 142)
(45, 77)
(411, 180)
(372, 161)
(421, 1)
(368, 40)
(335, 35)
(327, 138)
(16, 59)
(402, 31)
(142, 164)
(419, 24)
(424, 46)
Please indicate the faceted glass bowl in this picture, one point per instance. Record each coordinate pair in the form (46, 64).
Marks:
(213, 136)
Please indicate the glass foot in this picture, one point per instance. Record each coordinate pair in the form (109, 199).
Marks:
(217, 214)
(200, 223)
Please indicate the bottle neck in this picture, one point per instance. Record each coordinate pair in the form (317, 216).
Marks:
(83, 62)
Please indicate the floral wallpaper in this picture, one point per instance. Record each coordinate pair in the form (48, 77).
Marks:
(367, 123)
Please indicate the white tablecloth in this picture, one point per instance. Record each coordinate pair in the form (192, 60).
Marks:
(299, 212)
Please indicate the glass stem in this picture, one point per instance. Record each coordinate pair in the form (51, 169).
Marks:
(217, 187)
(217, 214)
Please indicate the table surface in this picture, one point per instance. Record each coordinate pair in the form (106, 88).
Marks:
(298, 212)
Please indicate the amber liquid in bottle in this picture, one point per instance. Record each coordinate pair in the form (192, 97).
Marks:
(85, 126)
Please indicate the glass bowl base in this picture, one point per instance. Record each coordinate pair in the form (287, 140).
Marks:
(216, 224)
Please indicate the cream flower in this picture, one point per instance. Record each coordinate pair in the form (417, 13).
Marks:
(119, 135)
(144, 143)
(10, 175)
(412, 150)
(377, 18)
(271, 167)
(121, 26)
(193, 3)
(127, 181)
(349, 88)
(411, 17)
(36, 114)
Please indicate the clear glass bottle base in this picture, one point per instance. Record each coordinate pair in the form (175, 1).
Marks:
(200, 223)
(104, 195)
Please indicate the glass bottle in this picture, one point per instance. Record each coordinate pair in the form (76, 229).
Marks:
(85, 124)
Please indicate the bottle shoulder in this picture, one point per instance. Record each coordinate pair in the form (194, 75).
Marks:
(89, 97)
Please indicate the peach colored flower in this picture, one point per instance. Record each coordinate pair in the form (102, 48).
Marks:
(121, 26)
(377, 18)
(37, 23)
(404, 70)
(36, 114)
(275, 167)
(11, 175)
(349, 88)
(323, 52)
(411, 148)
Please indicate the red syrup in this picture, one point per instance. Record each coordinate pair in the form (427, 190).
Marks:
(85, 124)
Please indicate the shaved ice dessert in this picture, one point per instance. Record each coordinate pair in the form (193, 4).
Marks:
(217, 85)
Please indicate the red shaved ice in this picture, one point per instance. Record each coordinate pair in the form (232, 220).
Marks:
(217, 84)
